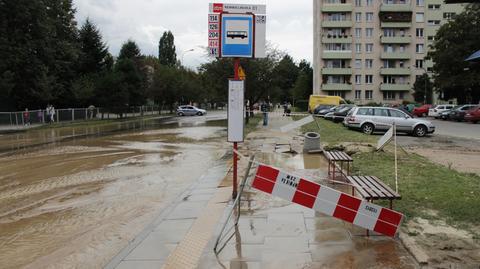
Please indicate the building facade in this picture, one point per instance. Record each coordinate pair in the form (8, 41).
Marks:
(372, 50)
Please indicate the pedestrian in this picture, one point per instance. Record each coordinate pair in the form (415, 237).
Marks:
(40, 115)
(285, 108)
(264, 109)
(52, 114)
(91, 110)
(26, 117)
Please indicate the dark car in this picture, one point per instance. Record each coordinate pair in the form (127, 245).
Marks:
(458, 113)
(321, 110)
(331, 115)
(473, 115)
(339, 116)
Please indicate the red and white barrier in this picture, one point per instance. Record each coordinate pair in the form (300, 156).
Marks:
(327, 200)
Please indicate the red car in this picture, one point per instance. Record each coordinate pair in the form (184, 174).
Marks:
(473, 114)
(421, 111)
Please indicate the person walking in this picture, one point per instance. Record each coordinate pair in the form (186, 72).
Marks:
(264, 108)
(52, 114)
(26, 117)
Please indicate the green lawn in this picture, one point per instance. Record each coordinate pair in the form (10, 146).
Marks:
(425, 186)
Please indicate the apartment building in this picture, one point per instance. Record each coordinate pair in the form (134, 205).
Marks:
(372, 50)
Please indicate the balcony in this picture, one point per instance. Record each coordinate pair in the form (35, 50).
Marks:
(337, 24)
(342, 40)
(395, 39)
(396, 7)
(395, 24)
(395, 55)
(395, 71)
(337, 87)
(337, 54)
(337, 7)
(395, 87)
(336, 71)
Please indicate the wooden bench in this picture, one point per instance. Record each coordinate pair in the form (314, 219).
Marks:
(337, 160)
(371, 188)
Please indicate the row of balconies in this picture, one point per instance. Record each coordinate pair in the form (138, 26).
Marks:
(384, 39)
(348, 7)
(349, 24)
(347, 54)
(383, 71)
(349, 87)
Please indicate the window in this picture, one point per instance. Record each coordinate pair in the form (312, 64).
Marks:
(369, 47)
(369, 32)
(429, 69)
(388, 48)
(419, 63)
(358, 3)
(389, 80)
(433, 7)
(369, 16)
(433, 22)
(419, 48)
(388, 32)
(358, 48)
(401, 95)
(419, 32)
(358, 63)
(382, 112)
(419, 17)
(358, 17)
(448, 15)
(420, 3)
(358, 94)
(431, 38)
(368, 63)
(368, 79)
(358, 79)
(389, 95)
(397, 114)
(358, 32)
(368, 96)
(401, 64)
(369, 2)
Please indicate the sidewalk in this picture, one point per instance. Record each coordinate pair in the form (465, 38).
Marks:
(272, 233)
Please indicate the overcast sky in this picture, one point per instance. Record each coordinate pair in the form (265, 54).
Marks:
(289, 24)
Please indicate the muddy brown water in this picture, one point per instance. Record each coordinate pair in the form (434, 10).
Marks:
(76, 203)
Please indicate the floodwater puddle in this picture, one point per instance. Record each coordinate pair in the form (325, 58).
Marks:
(76, 203)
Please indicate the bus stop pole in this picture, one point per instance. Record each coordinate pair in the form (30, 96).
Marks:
(235, 144)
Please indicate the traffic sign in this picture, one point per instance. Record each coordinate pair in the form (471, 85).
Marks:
(237, 8)
(237, 35)
(213, 34)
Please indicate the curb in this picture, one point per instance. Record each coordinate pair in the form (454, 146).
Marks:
(420, 256)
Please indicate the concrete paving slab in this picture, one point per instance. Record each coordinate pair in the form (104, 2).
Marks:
(151, 249)
(174, 225)
(140, 264)
(287, 244)
(275, 260)
(187, 210)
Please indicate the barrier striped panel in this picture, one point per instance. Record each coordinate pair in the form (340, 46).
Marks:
(327, 200)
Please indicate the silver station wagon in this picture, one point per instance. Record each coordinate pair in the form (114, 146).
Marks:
(372, 119)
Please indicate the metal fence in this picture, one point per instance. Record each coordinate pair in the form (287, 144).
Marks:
(20, 118)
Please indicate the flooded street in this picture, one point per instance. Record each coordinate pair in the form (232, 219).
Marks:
(77, 202)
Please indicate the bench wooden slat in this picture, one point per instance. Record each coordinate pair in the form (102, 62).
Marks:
(371, 183)
(338, 156)
(359, 187)
(370, 188)
(388, 189)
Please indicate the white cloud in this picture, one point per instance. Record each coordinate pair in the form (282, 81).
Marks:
(289, 24)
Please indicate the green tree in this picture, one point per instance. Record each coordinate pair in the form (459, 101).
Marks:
(285, 75)
(423, 87)
(303, 87)
(93, 51)
(166, 50)
(454, 42)
(129, 50)
(38, 52)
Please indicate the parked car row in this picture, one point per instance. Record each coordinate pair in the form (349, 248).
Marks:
(460, 113)
(373, 119)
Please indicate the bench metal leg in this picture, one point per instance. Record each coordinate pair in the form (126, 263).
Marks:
(391, 204)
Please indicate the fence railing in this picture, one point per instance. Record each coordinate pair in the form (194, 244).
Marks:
(20, 118)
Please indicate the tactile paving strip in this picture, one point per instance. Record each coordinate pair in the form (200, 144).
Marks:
(188, 253)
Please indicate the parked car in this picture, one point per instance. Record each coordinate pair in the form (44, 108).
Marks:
(190, 111)
(321, 110)
(339, 116)
(329, 115)
(421, 111)
(458, 113)
(435, 111)
(371, 119)
(473, 115)
(445, 114)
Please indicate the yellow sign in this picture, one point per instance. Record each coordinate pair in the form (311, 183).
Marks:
(241, 73)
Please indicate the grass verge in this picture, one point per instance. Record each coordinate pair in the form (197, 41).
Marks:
(428, 190)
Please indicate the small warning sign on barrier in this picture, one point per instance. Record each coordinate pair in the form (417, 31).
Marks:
(327, 200)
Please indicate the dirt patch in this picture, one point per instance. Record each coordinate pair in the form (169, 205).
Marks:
(446, 246)
(461, 160)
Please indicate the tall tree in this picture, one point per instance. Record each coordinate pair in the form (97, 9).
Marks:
(422, 88)
(166, 50)
(129, 50)
(454, 77)
(284, 76)
(38, 52)
(94, 52)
